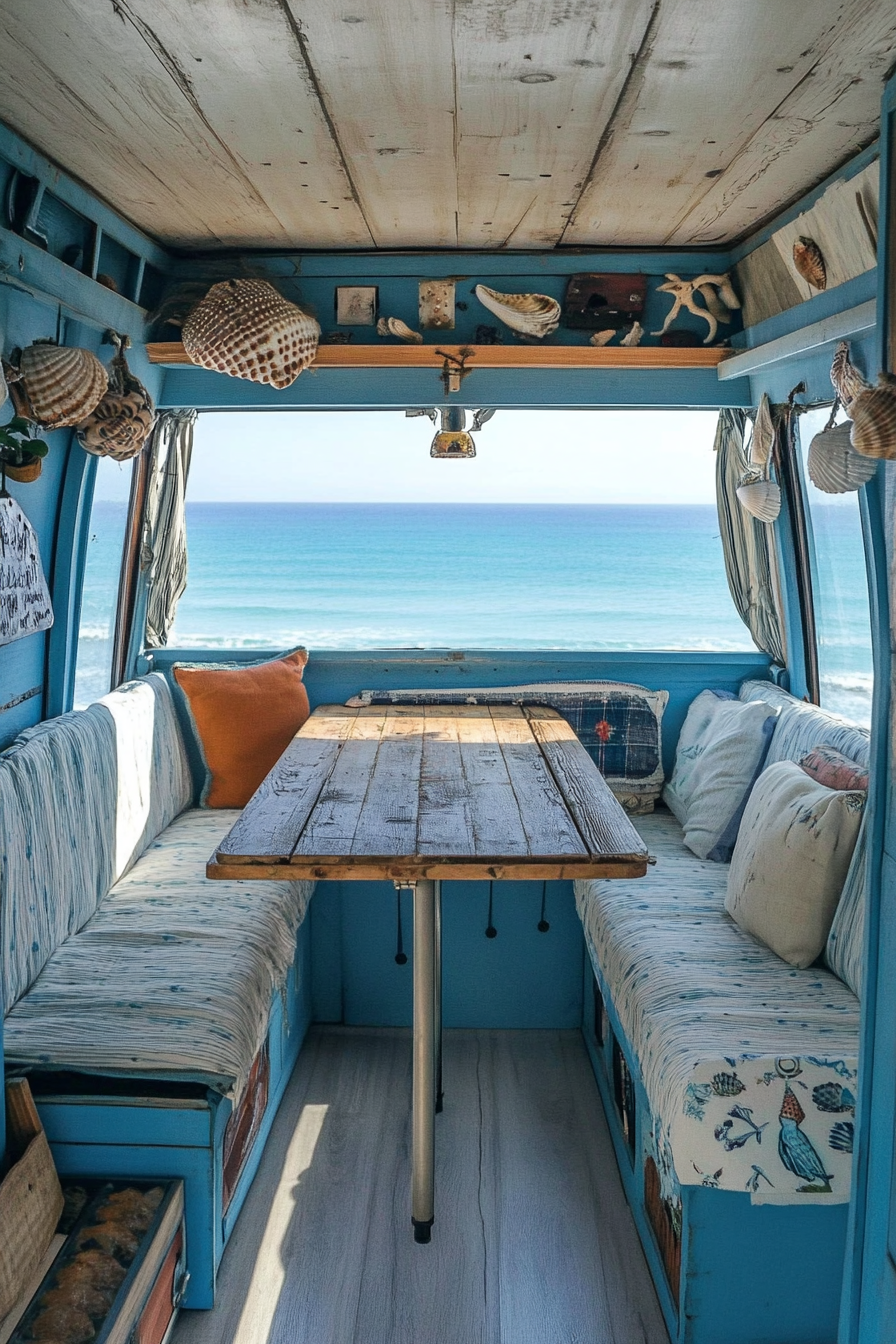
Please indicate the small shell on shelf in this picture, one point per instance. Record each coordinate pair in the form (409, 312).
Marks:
(603, 337)
(808, 260)
(57, 386)
(247, 329)
(833, 464)
(845, 377)
(531, 314)
(393, 326)
(761, 498)
(634, 336)
(763, 438)
(874, 420)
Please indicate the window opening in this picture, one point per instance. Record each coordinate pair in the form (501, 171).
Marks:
(105, 538)
(568, 530)
(840, 588)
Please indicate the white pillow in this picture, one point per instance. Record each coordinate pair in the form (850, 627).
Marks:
(721, 749)
(790, 861)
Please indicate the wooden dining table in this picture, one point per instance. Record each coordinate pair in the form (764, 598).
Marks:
(418, 795)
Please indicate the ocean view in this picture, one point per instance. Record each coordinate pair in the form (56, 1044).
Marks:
(520, 576)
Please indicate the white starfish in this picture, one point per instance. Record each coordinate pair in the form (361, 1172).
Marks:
(684, 293)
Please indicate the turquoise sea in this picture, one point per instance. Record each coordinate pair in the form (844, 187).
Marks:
(436, 575)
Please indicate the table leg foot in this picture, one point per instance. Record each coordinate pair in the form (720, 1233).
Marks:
(422, 1230)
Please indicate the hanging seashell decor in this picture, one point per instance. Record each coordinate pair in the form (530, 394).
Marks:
(761, 498)
(393, 326)
(120, 424)
(531, 314)
(808, 260)
(833, 464)
(245, 328)
(874, 419)
(845, 377)
(763, 438)
(56, 386)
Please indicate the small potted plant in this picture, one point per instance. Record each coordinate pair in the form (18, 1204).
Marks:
(21, 455)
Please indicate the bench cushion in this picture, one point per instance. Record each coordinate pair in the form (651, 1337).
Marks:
(723, 1030)
(80, 798)
(172, 977)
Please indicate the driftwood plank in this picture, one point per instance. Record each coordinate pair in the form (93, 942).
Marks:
(275, 814)
(387, 824)
(494, 811)
(546, 819)
(447, 868)
(445, 823)
(602, 823)
(331, 827)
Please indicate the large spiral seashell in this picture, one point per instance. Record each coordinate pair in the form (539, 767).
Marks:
(57, 386)
(760, 498)
(833, 464)
(393, 326)
(532, 314)
(247, 329)
(808, 260)
(121, 423)
(874, 420)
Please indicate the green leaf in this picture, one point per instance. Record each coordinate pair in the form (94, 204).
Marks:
(37, 448)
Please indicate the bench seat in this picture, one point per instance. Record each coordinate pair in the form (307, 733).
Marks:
(172, 977)
(717, 1021)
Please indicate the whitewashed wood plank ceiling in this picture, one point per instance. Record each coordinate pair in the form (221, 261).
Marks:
(446, 123)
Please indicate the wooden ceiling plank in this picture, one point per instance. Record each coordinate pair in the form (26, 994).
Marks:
(708, 80)
(832, 113)
(118, 98)
(386, 73)
(537, 82)
(248, 78)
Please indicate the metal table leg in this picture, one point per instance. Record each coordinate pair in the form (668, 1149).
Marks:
(423, 1104)
(437, 983)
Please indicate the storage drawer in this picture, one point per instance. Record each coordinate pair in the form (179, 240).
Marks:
(118, 1273)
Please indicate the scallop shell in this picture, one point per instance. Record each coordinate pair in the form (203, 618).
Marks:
(833, 464)
(121, 423)
(845, 377)
(57, 386)
(874, 421)
(760, 498)
(763, 434)
(248, 330)
(393, 326)
(727, 1085)
(808, 260)
(532, 314)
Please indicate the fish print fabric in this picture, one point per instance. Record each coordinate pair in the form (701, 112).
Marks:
(721, 1028)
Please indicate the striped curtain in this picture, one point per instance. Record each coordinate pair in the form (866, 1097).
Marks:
(751, 562)
(163, 557)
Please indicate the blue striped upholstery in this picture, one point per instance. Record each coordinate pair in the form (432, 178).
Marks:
(80, 798)
(173, 975)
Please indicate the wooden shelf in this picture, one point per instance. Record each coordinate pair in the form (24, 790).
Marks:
(491, 356)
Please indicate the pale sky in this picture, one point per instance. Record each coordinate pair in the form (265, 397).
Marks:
(576, 457)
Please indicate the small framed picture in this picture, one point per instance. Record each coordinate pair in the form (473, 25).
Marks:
(356, 305)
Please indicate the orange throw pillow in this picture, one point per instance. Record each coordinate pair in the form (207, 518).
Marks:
(245, 718)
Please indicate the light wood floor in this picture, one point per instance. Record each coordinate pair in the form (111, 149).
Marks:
(532, 1244)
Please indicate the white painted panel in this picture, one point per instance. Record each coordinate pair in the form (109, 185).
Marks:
(386, 73)
(832, 113)
(525, 148)
(709, 78)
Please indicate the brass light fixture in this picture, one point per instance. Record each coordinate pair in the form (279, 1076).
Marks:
(453, 441)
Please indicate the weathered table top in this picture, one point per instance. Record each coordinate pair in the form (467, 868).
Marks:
(445, 791)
